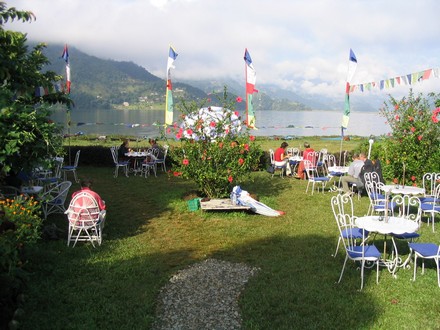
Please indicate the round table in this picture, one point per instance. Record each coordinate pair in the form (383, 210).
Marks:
(338, 169)
(388, 226)
(403, 190)
(138, 157)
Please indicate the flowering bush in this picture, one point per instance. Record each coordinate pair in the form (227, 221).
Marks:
(412, 148)
(20, 224)
(215, 150)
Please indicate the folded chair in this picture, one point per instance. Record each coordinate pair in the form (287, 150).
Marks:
(86, 221)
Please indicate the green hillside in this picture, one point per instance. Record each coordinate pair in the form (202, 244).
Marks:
(109, 84)
(98, 83)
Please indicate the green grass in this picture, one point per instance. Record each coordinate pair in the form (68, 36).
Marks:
(150, 235)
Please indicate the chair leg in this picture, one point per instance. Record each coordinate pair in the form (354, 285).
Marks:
(343, 268)
(415, 267)
(337, 247)
(362, 273)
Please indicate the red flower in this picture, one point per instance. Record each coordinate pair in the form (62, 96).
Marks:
(212, 124)
(434, 115)
(220, 145)
(413, 178)
(397, 117)
(189, 131)
(241, 161)
(410, 118)
(230, 179)
(168, 130)
(413, 129)
(246, 147)
(252, 138)
(239, 99)
(178, 136)
(176, 173)
(237, 113)
(420, 137)
(185, 161)
(396, 107)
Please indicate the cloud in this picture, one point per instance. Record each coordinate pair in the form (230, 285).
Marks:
(301, 44)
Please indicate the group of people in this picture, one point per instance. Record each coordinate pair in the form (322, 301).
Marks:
(124, 148)
(281, 158)
(358, 166)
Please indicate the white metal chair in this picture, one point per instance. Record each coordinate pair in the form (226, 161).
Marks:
(378, 199)
(313, 177)
(280, 166)
(408, 207)
(363, 253)
(430, 183)
(150, 162)
(162, 160)
(118, 164)
(85, 219)
(432, 208)
(53, 200)
(426, 251)
(71, 168)
(52, 175)
(343, 204)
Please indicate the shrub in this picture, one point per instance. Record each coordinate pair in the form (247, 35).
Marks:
(215, 150)
(412, 147)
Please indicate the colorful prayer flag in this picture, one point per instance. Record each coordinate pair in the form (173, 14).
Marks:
(352, 63)
(251, 76)
(169, 106)
(65, 57)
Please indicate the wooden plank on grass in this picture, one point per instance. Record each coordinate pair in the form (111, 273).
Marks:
(221, 204)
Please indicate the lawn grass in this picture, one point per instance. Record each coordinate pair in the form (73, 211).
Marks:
(150, 234)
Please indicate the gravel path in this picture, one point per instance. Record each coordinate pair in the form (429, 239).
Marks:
(203, 296)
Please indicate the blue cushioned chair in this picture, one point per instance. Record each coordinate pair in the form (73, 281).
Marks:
(426, 251)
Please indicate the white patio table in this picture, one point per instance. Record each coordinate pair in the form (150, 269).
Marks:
(403, 190)
(388, 226)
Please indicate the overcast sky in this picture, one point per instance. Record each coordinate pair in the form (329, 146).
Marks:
(301, 45)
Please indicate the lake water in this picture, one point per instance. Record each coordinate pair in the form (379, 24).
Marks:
(139, 123)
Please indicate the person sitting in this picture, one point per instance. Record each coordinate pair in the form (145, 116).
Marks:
(353, 174)
(281, 158)
(123, 149)
(86, 186)
(301, 170)
(155, 145)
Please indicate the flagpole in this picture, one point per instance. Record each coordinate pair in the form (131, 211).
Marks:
(352, 63)
(246, 93)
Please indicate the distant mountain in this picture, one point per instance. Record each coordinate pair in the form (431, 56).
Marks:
(100, 83)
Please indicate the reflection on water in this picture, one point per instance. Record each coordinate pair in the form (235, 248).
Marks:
(295, 123)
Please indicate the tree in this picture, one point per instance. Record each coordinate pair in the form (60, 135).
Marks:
(27, 135)
(412, 148)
